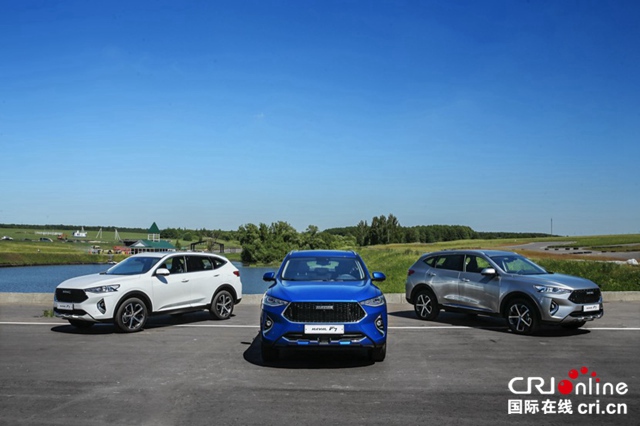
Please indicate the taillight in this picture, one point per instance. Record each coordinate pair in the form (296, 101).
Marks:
(236, 273)
(410, 272)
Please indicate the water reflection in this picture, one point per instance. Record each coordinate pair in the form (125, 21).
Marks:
(44, 279)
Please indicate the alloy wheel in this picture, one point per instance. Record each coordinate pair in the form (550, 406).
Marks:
(521, 318)
(133, 315)
(424, 306)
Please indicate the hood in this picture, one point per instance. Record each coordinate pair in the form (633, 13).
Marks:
(570, 281)
(95, 280)
(314, 291)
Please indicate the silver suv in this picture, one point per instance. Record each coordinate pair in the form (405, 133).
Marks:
(500, 283)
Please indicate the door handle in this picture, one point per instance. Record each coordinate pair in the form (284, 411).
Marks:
(465, 280)
(431, 274)
(185, 281)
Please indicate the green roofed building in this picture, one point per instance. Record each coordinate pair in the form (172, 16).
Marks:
(152, 243)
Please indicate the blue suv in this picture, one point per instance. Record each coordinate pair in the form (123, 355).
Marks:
(322, 299)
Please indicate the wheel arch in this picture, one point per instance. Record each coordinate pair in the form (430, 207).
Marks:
(229, 288)
(140, 295)
(518, 295)
(418, 288)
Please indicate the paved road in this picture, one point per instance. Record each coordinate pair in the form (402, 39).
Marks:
(191, 370)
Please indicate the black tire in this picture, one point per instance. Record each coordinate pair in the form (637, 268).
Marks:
(573, 325)
(81, 324)
(378, 354)
(269, 353)
(222, 305)
(426, 305)
(522, 317)
(131, 315)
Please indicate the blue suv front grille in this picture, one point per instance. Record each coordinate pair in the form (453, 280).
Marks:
(324, 312)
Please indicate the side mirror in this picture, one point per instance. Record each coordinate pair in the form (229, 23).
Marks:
(162, 272)
(269, 276)
(378, 276)
(489, 271)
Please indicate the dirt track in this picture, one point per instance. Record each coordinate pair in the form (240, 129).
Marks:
(546, 247)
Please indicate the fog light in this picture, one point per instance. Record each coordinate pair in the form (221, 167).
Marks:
(101, 306)
(268, 323)
(553, 308)
(380, 324)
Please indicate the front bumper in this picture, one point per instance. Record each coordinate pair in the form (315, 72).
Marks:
(276, 330)
(97, 307)
(561, 310)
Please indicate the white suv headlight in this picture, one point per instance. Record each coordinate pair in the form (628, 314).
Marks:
(376, 301)
(551, 289)
(103, 288)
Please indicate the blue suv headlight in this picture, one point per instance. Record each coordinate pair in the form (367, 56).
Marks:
(376, 301)
(273, 301)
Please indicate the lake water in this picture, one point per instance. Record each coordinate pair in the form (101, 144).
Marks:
(45, 279)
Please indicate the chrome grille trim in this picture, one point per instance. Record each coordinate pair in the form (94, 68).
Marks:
(324, 312)
(585, 296)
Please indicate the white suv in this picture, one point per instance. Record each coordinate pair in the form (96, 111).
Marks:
(150, 283)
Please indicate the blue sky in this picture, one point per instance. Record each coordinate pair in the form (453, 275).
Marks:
(499, 115)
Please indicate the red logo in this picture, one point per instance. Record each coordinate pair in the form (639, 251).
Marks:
(565, 387)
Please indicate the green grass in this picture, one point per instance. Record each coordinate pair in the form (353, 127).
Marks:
(25, 249)
(108, 235)
(609, 276)
(393, 262)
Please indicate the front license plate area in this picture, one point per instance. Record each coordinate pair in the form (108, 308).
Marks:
(323, 329)
(64, 306)
(590, 308)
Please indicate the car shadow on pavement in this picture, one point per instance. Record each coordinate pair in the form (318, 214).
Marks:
(158, 321)
(483, 322)
(314, 359)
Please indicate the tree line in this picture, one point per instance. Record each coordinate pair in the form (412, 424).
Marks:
(264, 243)
(387, 230)
(268, 243)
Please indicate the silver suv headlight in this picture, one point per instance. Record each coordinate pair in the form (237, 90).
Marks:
(551, 289)
(376, 301)
(103, 288)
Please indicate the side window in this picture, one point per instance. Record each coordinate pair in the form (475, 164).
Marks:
(175, 265)
(475, 264)
(195, 263)
(431, 261)
(207, 264)
(216, 262)
(451, 261)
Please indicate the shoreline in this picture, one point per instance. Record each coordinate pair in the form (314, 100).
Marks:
(255, 299)
(55, 264)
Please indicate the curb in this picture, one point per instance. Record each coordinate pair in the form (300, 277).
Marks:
(255, 299)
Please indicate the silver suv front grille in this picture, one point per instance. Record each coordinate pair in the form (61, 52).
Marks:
(585, 296)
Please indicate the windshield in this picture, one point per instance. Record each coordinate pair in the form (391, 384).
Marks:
(518, 265)
(133, 266)
(323, 269)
